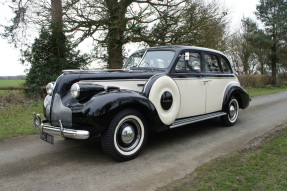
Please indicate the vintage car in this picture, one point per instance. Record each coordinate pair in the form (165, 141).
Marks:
(158, 88)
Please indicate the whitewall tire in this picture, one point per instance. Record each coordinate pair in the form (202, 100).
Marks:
(232, 110)
(125, 136)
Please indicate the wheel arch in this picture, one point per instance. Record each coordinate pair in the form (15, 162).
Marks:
(241, 95)
(102, 108)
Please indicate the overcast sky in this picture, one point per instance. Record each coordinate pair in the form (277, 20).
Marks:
(9, 57)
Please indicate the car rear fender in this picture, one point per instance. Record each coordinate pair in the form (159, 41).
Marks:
(237, 91)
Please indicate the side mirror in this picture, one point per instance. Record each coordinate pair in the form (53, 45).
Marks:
(186, 56)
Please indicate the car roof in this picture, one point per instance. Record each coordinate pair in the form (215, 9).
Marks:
(180, 47)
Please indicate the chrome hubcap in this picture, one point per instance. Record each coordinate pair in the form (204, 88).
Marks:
(128, 134)
(233, 110)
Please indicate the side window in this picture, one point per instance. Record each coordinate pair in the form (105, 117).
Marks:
(194, 62)
(211, 63)
(225, 65)
(191, 65)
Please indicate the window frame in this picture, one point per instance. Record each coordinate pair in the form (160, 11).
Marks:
(228, 65)
(218, 61)
(188, 71)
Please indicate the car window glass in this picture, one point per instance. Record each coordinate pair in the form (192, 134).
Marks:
(211, 63)
(225, 66)
(194, 62)
(192, 65)
(133, 60)
(157, 59)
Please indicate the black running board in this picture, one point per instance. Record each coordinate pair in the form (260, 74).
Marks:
(185, 121)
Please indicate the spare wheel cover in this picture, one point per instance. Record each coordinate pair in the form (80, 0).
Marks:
(163, 85)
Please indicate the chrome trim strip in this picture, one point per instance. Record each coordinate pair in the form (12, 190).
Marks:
(113, 80)
(61, 131)
(190, 120)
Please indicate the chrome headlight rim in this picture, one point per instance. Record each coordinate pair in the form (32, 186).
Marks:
(75, 90)
(50, 88)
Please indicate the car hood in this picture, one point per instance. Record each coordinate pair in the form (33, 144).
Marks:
(113, 74)
(111, 77)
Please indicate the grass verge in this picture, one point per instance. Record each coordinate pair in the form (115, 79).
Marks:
(17, 120)
(266, 90)
(261, 168)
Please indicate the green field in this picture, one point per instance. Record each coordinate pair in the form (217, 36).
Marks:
(7, 83)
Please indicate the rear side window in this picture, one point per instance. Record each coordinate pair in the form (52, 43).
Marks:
(193, 65)
(225, 65)
(211, 63)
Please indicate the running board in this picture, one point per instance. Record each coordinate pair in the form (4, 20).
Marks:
(185, 121)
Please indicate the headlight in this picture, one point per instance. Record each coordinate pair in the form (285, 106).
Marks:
(50, 88)
(47, 100)
(75, 90)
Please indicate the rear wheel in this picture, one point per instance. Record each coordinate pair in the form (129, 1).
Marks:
(125, 136)
(232, 112)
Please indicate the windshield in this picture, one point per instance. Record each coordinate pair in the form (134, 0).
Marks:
(149, 60)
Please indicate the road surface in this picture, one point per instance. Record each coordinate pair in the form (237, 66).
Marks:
(27, 163)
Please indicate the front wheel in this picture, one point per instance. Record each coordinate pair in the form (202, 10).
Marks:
(125, 136)
(232, 112)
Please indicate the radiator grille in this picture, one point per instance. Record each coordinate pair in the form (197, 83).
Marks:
(60, 112)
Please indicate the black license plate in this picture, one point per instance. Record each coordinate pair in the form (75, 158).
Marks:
(47, 137)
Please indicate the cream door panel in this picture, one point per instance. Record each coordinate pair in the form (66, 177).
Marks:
(192, 95)
(215, 88)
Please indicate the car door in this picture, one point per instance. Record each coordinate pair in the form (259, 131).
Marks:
(188, 75)
(217, 76)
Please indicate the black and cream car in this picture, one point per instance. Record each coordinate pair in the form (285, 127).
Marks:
(158, 88)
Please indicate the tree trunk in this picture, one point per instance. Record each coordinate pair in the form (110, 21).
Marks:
(274, 60)
(115, 55)
(261, 62)
(58, 36)
(245, 64)
(57, 14)
(115, 37)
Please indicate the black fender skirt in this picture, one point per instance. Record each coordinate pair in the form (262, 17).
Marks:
(96, 114)
(237, 91)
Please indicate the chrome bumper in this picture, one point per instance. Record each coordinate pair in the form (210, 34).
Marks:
(61, 131)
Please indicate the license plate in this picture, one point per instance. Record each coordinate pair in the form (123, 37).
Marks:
(47, 137)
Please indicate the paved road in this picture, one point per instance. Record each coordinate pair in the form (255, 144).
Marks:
(27, 163)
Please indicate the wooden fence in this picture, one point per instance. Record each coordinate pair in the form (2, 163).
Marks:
(17, 88)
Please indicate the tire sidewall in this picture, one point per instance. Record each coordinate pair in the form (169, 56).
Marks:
(226, 119)
(233, 100)
(109, 138)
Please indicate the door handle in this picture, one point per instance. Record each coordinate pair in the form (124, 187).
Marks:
(206, 81)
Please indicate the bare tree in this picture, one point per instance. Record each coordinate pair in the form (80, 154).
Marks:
(114, 23)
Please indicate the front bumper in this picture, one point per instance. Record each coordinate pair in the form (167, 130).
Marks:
(61, 131)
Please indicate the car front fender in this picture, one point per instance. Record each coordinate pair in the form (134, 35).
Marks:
(101, 109)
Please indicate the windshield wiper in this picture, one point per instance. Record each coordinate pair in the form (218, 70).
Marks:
(148, 64)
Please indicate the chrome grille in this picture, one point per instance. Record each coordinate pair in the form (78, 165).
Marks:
(60, 112)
